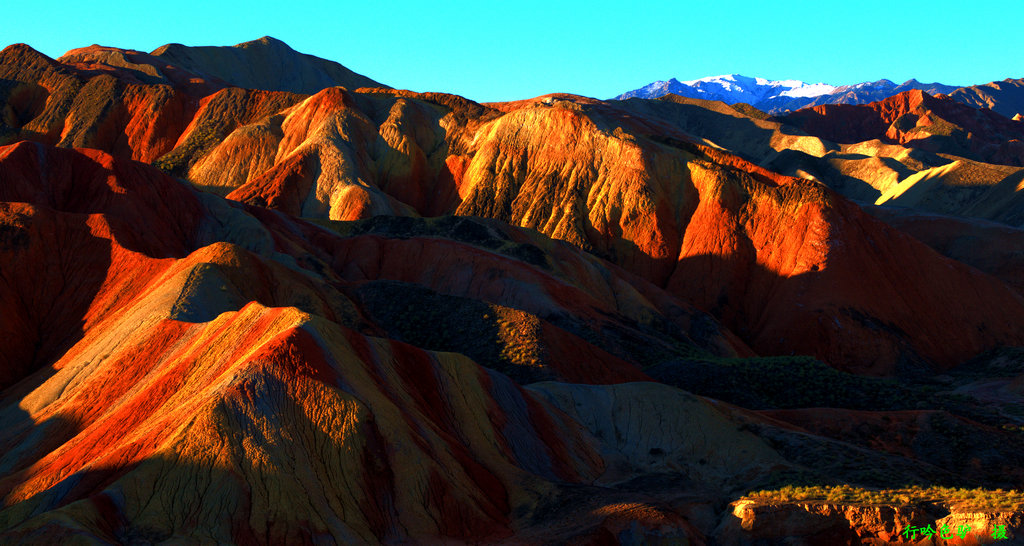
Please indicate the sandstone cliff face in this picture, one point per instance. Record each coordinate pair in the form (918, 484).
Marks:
(346, 156)
(572, 171)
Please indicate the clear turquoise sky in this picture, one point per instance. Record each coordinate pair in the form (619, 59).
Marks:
(491, 51)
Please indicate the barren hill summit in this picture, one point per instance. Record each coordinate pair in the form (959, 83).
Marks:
(1005, 97)
(266, 63)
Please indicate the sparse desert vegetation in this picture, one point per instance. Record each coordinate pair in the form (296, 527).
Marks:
(977, 499)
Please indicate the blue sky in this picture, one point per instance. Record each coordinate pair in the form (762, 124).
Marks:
(490, 51)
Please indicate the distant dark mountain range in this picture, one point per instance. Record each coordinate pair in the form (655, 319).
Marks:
(777, 96)
(1005, 97)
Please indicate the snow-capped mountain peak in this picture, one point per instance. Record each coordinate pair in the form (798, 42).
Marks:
(733, 88)
(775, 95)
(807, 90)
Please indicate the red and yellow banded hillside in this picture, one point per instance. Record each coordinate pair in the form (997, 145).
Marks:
(248, 296)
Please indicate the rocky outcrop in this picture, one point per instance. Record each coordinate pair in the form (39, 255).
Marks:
(823, 523)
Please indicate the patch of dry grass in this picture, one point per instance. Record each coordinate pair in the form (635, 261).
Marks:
(963, 499)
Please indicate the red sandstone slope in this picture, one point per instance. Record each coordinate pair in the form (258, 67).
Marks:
(559, 152)
(61, 271)
(554, 292)
(994, 248)
(831, 282)
(179, 363)
(604, 179)
(124, 102)
(210, 359)
(345, 156)
(837, 283)
(109, 110)
(150, 381)
(703, 223)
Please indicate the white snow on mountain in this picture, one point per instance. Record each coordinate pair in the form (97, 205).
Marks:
(733, 88)
(776, 96)
(808, 90)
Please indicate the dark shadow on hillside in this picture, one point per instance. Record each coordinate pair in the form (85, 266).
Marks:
(789, 162)
(1003, 202)
(24, 100)
(22, 440)
(176, 499)
(526, 347)
(740, 135)
(51, 269)
(425, 318)
(747, 298)
(53, 266)
(994, 248)
(165, 497)
(147, 211)
(428, 317)
(957, 433)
